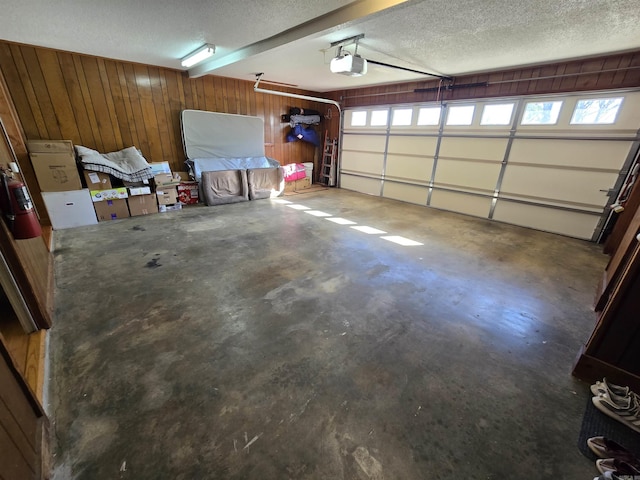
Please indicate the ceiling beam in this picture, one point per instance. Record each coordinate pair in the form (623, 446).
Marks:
(335, 18)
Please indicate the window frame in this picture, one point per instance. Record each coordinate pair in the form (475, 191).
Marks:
(465, 105)
(538, 124)
(615, 117)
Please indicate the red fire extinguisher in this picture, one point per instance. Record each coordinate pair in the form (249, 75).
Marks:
(17, 209)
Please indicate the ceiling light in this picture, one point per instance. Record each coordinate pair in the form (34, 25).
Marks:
(346, 64)
(199, 55)
(350, 65)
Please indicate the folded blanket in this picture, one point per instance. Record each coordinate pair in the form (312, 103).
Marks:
(127, 164)
(304, 119)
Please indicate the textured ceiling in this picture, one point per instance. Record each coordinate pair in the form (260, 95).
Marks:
(450, 37)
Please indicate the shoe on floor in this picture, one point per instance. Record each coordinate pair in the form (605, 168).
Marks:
(604, 448)
(629, 416)
(619, 467)
(613, 476)
(609, 388)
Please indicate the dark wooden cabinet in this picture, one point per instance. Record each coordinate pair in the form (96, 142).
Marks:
(613, 349)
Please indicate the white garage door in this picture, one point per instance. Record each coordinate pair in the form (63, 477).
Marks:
(548, 163)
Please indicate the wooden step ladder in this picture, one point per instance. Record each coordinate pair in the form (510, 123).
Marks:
(328, 168)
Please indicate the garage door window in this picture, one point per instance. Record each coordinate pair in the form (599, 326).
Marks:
(462, 115)
(541, 113)
(499, 114)
(359, 119)
(429, 116)
(379, 118)
(402, 117)
(599, 111)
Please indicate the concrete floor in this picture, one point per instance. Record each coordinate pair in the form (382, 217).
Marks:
(256, 341)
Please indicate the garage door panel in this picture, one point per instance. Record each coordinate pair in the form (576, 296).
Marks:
(478, 148)
(413, 145)
(571, 153)
(573, 224)
(366, 143)
(469, 174)
(360, 184)
(558, 184)
(551, 177)
(406, 193)
(363, 162)
(461, 203)
(413, 168)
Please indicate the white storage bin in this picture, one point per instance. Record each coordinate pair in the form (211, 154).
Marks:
(308, 170)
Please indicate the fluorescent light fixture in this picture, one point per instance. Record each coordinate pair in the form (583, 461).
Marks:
(350, 65)
(199, 55)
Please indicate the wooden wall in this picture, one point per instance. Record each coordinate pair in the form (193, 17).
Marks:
(23, 425)
(29, 260)
(108, 104)
(602, 73)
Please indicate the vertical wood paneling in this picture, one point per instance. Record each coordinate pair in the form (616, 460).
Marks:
(119, 106)
(108, 105)
(99, 110)
(38, 81)
(25, 96)
(86, 106)
(83, 125)
(109, 101)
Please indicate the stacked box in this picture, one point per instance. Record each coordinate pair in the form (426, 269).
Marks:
(166, 184)
(110, 204)
(142, 201)
(97, 180)
(142, 205)
(167, 195)
(188, 193)
(54, 163)
(297, 185)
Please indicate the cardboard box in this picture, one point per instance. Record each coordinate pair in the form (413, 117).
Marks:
(97, 180)
(111, 209)
(69, 209)
(170, 208)
(159, 167)
(297, 185)
(51, 146)
(56, 172)
(111, 194)
(188, 193)
(165, 179)
(167, 195)
(143, 183)
(142, 205)
(133, 191)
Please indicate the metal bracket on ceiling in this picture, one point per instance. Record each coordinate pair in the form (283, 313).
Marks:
(348, 41)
